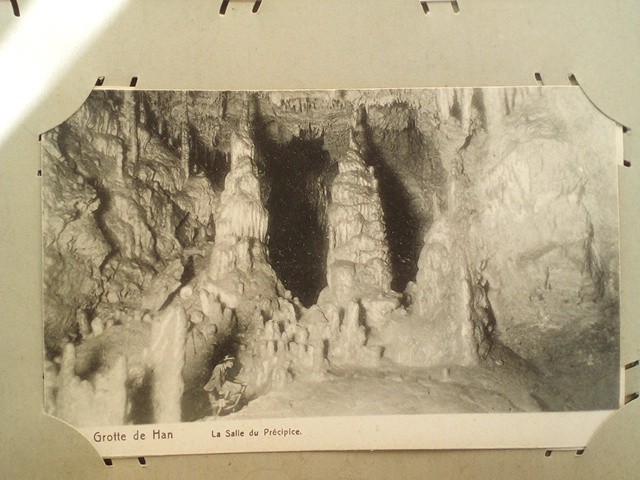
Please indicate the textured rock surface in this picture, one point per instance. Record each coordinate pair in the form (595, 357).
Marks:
(308, 233)
(113, 217)
(166, 361)
(242, 220)
(99, 402)
(451, 320)
(518, 237)
(357, 257)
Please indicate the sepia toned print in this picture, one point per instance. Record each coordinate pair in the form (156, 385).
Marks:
(215, 256)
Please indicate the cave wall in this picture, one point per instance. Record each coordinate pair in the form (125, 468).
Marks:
(527, 215)
(547, 228)
(116, 212)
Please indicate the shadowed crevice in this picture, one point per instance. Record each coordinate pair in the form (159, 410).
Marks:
(295, 174)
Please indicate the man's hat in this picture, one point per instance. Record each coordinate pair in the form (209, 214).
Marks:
(228, 358)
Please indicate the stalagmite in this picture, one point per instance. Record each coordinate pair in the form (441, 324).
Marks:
(357, 233)
(347, 345)
(97, 326)
(166, 359)
(452, 319)
(101, 402)
(351, 320)
(50, 387)
(83, 323)
(358, 266)
(242, 216)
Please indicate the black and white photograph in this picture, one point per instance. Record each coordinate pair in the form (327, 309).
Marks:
(211, 256)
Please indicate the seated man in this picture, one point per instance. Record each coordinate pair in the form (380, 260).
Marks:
(223, 394)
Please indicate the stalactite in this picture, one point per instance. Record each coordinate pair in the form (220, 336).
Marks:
(443, 103)
(494, 107)
(185, 149)
(464, 103)
(130, 108)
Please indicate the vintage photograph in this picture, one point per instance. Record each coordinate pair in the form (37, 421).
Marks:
(218, 255)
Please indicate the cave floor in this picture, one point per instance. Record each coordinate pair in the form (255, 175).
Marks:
(397, 390)
(502, 383)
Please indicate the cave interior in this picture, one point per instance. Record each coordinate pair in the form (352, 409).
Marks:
(343, 245)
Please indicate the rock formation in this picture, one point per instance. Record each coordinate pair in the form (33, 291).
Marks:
(451, 226)
(357, 260)
(165, 363)
(241, 225)
(451, 319)
(272, 347)
(358, 271)
(99, 402)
